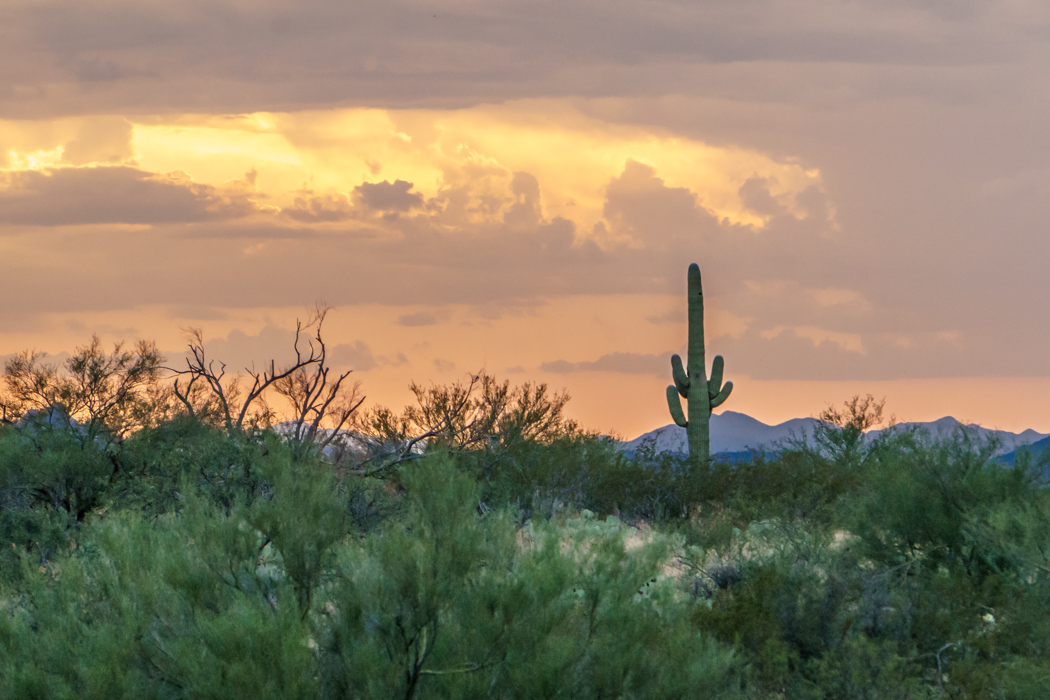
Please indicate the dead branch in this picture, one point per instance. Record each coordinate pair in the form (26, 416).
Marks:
(318, 397)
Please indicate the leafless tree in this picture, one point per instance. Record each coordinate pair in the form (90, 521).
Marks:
(322, 403)
(317, 398)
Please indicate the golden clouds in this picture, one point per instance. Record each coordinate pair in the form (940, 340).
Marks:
(465, 163)
(29, 145)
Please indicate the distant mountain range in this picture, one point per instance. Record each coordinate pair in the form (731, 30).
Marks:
(733, 432)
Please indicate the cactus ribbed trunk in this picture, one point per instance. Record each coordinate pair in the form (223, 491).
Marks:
(698, 431)
(691, 382)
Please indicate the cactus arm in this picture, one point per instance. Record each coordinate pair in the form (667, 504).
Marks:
(675, 405)
(714, 384)
(681, 379)
(691, 382)
(721, 396)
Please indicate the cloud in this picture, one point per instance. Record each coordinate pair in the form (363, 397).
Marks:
(112, 195)
(618, 362)
(388, 196)
(486, 235)
(801, 354)
(756, 197)
(407, 51)
(420, 318)
(320, 208)
(639, 206)
(100, 139)
(241, 350)
(509, 260)
(675, 316)
(357, 356)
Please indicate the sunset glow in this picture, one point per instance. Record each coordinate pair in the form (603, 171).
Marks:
(528, 204)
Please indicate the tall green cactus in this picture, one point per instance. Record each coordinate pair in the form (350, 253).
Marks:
(702, 393)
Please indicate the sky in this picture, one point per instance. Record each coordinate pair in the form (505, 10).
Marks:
(519, 187)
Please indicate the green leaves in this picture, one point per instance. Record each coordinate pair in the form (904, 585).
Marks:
(215, 566)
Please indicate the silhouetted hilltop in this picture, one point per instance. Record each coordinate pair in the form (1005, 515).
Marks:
(733, 432)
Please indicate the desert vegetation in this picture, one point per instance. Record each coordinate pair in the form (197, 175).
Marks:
(165, 534)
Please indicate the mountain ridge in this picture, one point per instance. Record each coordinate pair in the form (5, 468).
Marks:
(734, 432)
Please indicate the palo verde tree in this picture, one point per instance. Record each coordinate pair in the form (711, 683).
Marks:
(692, 383)
(108, 394)
(481, 414)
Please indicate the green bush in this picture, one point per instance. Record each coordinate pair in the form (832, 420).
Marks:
(190, 561)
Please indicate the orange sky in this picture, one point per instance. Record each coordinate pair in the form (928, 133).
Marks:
(480, 187)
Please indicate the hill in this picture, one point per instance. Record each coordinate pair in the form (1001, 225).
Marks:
(733, 432)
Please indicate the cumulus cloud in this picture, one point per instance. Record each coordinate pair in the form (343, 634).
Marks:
(389, 198)
(640, 207)
(393, 196)
(112, 195)
(320, 208)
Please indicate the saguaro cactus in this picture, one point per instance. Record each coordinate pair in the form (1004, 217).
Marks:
(692, 383)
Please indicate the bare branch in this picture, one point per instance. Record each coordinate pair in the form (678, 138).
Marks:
(321, 407)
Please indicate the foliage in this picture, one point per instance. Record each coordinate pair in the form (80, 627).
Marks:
(110, 393)
(482, 415)
(147, 550)
(279, 598)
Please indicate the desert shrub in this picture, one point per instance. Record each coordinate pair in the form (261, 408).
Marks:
(160, 462)
(453, 603)
(920, 573)
(585, 471)
(277, 597)
(50, 479)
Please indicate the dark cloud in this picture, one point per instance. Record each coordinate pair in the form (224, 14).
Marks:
(406, 51)
(638, 204)
(792, 355)
(388, 196)
(57, 360)
(111, 195)
(241, 351)
(756, 197)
